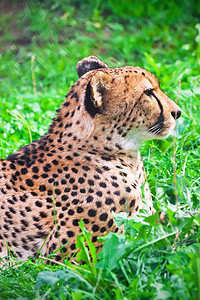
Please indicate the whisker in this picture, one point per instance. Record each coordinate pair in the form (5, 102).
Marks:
(156, 125)
(156, 128)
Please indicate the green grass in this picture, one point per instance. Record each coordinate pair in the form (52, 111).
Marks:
(40, 46)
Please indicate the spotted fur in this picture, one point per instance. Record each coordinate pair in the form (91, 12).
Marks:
(87, 165)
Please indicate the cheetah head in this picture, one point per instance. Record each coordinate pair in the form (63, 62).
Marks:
(125, 103)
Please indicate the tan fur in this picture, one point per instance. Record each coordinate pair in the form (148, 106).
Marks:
(87, 165)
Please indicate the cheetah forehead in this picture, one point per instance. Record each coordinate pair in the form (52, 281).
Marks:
(92, 63)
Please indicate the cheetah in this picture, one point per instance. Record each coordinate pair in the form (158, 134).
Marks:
(87, 165)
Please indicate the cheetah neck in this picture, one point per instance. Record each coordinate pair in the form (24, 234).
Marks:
(75, 127)
(72, 122)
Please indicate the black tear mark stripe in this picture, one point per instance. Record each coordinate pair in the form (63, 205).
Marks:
(161, 117)
(159, 103)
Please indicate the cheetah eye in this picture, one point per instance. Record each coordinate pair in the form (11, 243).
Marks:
(149, 92)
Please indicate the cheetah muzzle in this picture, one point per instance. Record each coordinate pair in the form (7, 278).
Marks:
(87, 164)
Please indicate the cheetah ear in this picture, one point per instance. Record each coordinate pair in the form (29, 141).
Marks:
(88, 64)
(96, 93)
(98, 86)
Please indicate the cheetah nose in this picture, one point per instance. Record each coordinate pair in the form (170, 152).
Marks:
(176, 114)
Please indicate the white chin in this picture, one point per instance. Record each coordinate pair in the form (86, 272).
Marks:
(164, 134)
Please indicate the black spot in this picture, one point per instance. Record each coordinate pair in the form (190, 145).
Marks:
(117, 193)
(12, 210)
(102, 184)
(35, 169)
(6, 227)
(74, 170)
(27, 208)
(74, 194)
(109, 201)
(92, 213)
(68, 157)
(64, 197)
(44, 175)
(88, 158)
(75, 201)
(29, 182)
(115, 184)
(128, 190)
(47, 168)
(24, 171)
(103, 229)
(21, 162)
(99, 170)
(106, 168)
(99, 193)
(91, 182)
(95, 228)
(72, 180)
(81, 180)
(70, 234)
(12, 166)
(42, 188)
(86, 168)
(73, 246)
(86, 221)
(57, 192)
(103, 217)
(98, 204)
(49, 200)
(94, 239)
(110, 223)
(22, 198)
(89, 199)
(75, 222)
(38, 203)
(64, 241)
(122, 201)
(43, 214)
(53, 246)
(132, 203)
(79, 209)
